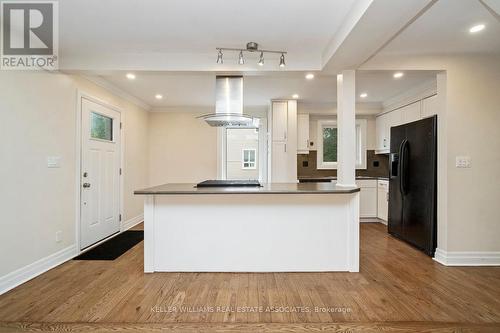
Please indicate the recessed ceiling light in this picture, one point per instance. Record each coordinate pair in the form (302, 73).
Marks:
(310, 76)
(158, 96)
(398, 75)
(363, 95)
(295, 96)
(477, 28)
(130, 76)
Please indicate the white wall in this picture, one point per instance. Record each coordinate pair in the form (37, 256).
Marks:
(183, 149)
(38, 119)
(468, 219)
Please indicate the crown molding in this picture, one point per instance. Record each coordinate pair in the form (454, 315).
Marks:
(103, 83)
(421, 91)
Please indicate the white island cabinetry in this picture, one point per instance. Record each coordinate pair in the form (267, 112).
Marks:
(273, 228)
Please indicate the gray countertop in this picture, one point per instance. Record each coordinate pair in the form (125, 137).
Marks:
(273, 188)
(327, 178)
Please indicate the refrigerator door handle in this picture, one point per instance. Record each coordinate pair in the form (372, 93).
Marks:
(402, 165)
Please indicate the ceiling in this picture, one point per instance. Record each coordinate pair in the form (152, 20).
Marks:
(444, 29)
(147, 34)
(198, 88)
(170, 45)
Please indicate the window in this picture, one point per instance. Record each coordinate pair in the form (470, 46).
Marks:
(328, 140)
(240, 158)
(101, 127)
(249, 159)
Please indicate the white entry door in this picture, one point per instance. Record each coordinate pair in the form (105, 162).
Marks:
(100, 173)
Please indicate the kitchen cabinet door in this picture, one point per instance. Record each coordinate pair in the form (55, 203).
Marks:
(303, 134)
(411, 113)
(279, 163)
(394, 118)
(280, 121)
(381, 133)
(429, 106)
(367, 197)
(383, 199)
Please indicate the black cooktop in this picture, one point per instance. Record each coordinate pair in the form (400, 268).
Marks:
(229, 183)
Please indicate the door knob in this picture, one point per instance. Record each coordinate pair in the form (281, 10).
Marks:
(86, 185)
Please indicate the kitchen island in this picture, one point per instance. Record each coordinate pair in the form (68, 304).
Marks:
(310, 227)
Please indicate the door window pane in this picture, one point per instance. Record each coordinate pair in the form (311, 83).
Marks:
(329, 144)
(101, 127)
(248, 158)
(242, 151)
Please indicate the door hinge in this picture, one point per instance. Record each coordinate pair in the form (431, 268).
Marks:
(120, 217)
(120, 171)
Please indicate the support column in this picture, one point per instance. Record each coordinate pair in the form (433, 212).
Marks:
(346, 128)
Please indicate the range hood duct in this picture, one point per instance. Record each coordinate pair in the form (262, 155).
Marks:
(229, 104)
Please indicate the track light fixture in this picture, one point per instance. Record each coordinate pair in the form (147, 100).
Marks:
(282, 60)
(251, 47)
(261, 60)
(241, 61)
(219, 57)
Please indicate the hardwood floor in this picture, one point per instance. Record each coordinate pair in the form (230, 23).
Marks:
(397, 287)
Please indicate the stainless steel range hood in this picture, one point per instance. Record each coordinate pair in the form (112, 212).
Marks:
(229, 104)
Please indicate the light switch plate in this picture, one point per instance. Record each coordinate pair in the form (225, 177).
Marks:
(53, 162)
(463, 162)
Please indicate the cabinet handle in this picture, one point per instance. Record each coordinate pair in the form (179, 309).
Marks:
(387, 196)
(285, 147)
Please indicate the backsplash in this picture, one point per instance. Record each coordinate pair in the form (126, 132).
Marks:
(382, 170)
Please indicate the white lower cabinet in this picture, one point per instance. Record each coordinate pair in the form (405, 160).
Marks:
(383, 199)
(367, 197)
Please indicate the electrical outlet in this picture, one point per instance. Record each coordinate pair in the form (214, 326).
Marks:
(463, 162)
(58, 236)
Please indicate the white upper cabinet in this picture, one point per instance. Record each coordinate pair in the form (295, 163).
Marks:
(423, 108)
(283, 146)
(380, 124)
(280, 121)
(383, 125)
(411, 113)
(429, 106)
(303, 134)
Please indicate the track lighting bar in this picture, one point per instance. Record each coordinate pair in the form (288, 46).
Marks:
(251, 47)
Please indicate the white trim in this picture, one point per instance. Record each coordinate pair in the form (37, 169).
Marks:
(363, 219)
(410, 96)
(117, 91)
(130, 223)
(28, 272)
(362, 123)
(470, 258)
(254, 162)
(80, 95)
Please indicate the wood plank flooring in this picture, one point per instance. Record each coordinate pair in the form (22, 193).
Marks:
(397, 287)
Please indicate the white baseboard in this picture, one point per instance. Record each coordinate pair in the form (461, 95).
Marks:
(23, 274)
(132, 222)
(467, 258)
(372, 220)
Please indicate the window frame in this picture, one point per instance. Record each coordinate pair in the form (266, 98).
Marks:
(111, 128)
(254, 162)
(361, 125)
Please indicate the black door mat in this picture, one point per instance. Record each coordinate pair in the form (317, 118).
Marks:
(115, 247)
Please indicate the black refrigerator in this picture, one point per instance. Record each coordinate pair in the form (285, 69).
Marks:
(412, 184)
